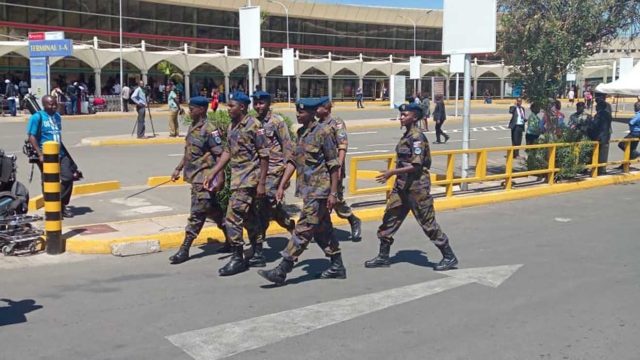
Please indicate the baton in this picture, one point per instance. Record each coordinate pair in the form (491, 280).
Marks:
(147, 189)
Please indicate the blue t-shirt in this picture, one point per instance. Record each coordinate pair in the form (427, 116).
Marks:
(51, 128)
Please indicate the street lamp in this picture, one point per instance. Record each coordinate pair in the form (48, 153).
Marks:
(286, 14)
(415, 82)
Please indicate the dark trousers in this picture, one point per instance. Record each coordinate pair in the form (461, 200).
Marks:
(12, 107)
(67, 168)
(603, 156)
(530, 139)
(359, 102)
(125, 102)
(141, 112)
(439, 131)
(516, 138)
(633, 145)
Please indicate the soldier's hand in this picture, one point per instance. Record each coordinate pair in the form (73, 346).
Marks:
(208, 183)
(383, 177)
(331, 202)
(261, 191)
(175, 175)
(279, 194)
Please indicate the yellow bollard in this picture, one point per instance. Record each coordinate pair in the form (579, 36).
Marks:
(51, 194)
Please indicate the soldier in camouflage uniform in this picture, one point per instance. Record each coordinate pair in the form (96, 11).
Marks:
(202, 150)
(316, 166)
(249, 159)
(411, 193)
(339, 132)
(280, 149)
(580, 121)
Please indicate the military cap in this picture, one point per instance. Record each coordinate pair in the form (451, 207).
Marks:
(240, 97)
(411, 107)
(309, 103)
(199, 101)
(325, 101)
(261, 95)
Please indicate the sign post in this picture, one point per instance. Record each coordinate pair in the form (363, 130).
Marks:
(43, 45)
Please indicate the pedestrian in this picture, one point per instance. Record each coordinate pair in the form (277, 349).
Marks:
(634, 132)
(12, 97)
(46, 125)
(203, 149)
(126, 93)
(535, 125)
(439, 116)
(516, 124)
(340, 138)
(571, 95)
(588, 97)
(280, 151)
(248, 156)
(215, 100)
(487, 96)
(23, 88)
(425, 105)
(602, 128)
(580, 121)
(316, 164)
(72, 99)
(174, 110)
(359, 95)
(411, 193)
(116, 89)
(140, 99)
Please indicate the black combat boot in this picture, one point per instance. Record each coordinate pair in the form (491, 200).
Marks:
(291, 225)
(278, 275)
(183, 253)
(336, 270)
(257, 260)
(356, 231)
(236, 264)
(449, 259)
(382, 260)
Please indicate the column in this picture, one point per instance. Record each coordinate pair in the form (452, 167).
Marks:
(330, 88)
(226, 87)
(297, 87)
(501, 88)
(419, 87)
(187, 87)
(264, 83)
(448, 87)
(144, 77)
(475, 88)
(98, 81)
(361, 86)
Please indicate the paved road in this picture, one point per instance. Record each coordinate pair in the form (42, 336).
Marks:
(574, 297)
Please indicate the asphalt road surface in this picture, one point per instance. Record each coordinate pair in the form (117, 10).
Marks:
(558, 279)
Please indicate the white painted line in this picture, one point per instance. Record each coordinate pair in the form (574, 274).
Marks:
(484, 128)
(353, 148)
(226, 340)
(494, 129)
(504, 137)
(363, 133)
(175, 155)
(368, 152)
(388, 144)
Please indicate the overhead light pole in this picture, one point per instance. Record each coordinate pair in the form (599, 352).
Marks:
(286, 14)
(121, 65)
(415, 82)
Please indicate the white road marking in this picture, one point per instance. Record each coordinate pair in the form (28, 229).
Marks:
(174, 155)
(368, 152)
(388, 144)
(504, 137)
(145, 210)
(363, 133)
(131, 202)
(226, 340)
(562, 220)
(352, 148)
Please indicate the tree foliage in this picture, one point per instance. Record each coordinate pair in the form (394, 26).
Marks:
(544, 39)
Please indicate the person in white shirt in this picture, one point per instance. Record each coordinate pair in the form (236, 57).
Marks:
(140, 99)
(116, 89)
(516, 124)
(126, 93)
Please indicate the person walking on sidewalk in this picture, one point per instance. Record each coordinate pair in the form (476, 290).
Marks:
(203, 149)
(339, 132)
(248, 155)
(411, 193)
(280, 151)
(439, 116)
(140, 99)
(126, 94)
(174, 110)
(359, 96)
(602, 131)
(11, 95)
(316, 165)
(516, 124)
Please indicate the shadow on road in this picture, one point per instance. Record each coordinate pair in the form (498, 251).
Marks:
(15, 312)
(415, 257)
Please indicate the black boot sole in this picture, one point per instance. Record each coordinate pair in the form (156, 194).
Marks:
(340, 276)
(373, 266)
(450, 266)
(177, 261)
(263, 273)
(257, 263)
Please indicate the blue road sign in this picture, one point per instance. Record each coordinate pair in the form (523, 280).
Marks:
(46, 48)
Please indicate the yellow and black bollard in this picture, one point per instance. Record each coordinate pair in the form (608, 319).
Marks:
(51, 193)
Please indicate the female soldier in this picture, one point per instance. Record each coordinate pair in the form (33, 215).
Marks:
(411, 192)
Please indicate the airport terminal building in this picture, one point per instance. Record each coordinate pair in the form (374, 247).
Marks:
(338, 47)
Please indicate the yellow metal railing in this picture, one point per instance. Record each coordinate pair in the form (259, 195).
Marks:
(481, 156)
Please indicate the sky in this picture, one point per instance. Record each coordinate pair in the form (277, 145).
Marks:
(426, 4)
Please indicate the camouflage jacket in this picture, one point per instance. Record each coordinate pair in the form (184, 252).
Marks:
(203, 147)
(338, 131)
(280, 148)
(247, 144)
(413, 149)
(315, 155)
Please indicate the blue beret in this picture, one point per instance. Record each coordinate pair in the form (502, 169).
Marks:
(324, 101)
(410, 107)
(199, 101)
(261, 95)
(309, 103)
(240, 97)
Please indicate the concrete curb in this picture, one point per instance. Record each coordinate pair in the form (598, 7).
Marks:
(162, 180)
(213, 234)
(37, 202)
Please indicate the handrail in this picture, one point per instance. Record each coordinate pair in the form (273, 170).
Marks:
(481, 154)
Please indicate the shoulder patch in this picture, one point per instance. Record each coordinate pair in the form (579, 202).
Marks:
(417, 151)
(260, 131)
(417, 143)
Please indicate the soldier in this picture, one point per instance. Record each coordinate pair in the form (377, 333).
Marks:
(411, 192)
(339, 133)
(580, 121)
(316, 166)
(280, 149)
(202, 150)
(249, 159)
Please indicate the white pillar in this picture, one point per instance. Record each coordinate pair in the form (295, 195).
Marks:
(501, 88)
(264, 83)
(448, 86)
(187, 87)
(330, 88)
(475, 88)
(419, 87)
(297, 87)
(97, 81)
(144, 77)
(226, 86)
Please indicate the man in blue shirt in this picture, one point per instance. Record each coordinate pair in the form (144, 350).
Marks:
(140, 99)
(634, 132)
(46, 125)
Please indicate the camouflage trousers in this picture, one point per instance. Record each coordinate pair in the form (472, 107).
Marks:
(268, 209)
(342, 209)
(203, 204)
(241, 214)
(420, 203)
(315, 223)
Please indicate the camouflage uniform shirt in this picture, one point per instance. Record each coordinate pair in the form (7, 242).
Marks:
(338, 131)
(315, 155)
(202, 149)
(413, 149)
(247, 144)
(280, 148)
